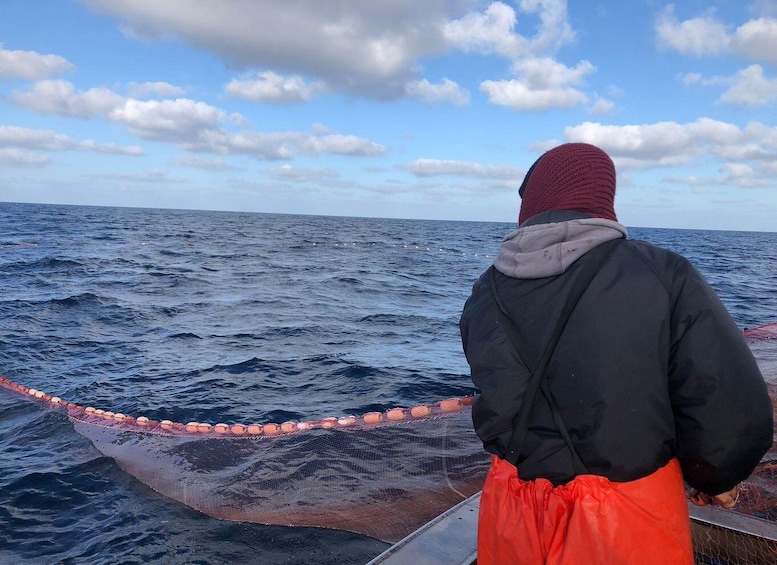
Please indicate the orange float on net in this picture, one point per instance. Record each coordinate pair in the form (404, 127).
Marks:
(55, 400)
(373, 417)
(328, 423)
(255, 429)
(396, 414)
(191, 426)
(142, 421)
(237, 429)
(271, 429)
(119, 417)
(451, 405)
(346, 420)
(165, 424)
(89, 410)
(420, 411)
(288, 427)
(221, 428)
(204, 428)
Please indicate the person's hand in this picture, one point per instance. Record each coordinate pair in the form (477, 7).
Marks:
(724, 499)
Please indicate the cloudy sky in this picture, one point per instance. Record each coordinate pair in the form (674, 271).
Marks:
(389, 108)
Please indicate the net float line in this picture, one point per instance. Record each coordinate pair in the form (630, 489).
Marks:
(761, 333)
(107, 418)
(118, 420)
(409, 247)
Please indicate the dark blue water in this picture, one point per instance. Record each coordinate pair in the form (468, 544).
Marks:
(212, 316)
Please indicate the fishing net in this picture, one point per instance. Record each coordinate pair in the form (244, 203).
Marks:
(381, 474)
(747, 534)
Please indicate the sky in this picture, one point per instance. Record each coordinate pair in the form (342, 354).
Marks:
(389, 108)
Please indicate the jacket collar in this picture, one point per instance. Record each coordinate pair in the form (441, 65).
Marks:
(547, 244)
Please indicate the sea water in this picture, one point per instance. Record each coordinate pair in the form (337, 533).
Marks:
(217, 316)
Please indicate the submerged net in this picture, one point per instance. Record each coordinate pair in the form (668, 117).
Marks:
(382, 474)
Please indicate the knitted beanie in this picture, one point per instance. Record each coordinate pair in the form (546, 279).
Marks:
(573, 176)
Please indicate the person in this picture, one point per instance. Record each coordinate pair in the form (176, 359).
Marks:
(610, 373)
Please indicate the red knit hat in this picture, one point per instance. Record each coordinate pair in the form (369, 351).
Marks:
(573, 176)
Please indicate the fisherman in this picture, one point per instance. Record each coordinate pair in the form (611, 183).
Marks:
(610, 372)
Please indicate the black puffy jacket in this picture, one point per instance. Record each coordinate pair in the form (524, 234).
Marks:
(650, 366)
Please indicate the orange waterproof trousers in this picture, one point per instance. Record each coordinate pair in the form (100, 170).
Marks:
(588, 521)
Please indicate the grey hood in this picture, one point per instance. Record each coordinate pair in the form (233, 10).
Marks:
(547, 249)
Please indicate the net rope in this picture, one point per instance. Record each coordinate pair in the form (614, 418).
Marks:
(380, 474)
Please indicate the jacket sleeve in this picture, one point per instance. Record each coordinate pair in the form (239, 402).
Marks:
(723, 413)
(495, 369)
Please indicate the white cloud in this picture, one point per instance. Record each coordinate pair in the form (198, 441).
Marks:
(601, 107)
(667, 144)
(148, 176)
(542, 84)
(692, 79)
(748, 87)
(301, 174)
(194, 126)
(492, 32)
(265, 146)
(113, 148)
(372, 49)
(339, 144)
(47, 140)
(689, 79)
(16, 158)
(696, 36)
(764, 7)
(733, 174)
(281, 145)
(147, 89)
(437, 167)
(757, 39)
(270, 87)
(217, 164)
(705, 35)
(365, 47)
(176, 120)
(60, 97)
(554, 30)
(547, 73)
(751, 88)
(31, 65)
(446, 92)
(487, 33)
